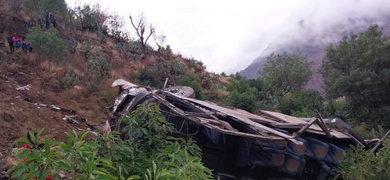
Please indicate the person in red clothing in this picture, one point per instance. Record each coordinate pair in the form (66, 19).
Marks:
(16, 40)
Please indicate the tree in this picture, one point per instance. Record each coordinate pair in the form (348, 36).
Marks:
(286, 73)
(92, 18)
(358, 68)
(143, 29)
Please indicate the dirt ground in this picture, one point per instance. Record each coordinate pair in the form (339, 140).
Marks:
(26, 103)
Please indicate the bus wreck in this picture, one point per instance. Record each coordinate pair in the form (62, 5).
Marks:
(239, 145)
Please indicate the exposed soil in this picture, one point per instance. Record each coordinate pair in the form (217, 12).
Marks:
(26, 103)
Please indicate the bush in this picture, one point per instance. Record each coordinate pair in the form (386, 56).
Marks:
(130, 50)
(177, 67)
(47, 42)
(72, 45)
(192, 80)
(69, 80)
(92, 18)
(149, 77)
(301, 103)
(147, 151)
(362, 164)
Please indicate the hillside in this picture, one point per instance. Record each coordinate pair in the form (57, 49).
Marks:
(313, 46)
(72, 89)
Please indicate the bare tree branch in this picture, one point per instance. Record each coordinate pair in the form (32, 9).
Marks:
(140, 26)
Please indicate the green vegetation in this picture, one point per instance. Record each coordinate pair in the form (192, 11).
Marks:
(192, 80)
(356, 72)
(286, 73)
(146, 151)
(243, 95)
(359, 69)
(301, 103)
(362, 164)
(48, 43)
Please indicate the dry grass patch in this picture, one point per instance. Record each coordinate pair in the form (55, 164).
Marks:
(51, 69)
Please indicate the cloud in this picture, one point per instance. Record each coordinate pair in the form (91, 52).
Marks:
(228, 35)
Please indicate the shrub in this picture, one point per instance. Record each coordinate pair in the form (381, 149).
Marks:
(362, 164)
(177, 67)
(149, 77)
(69, 80)
(72, 45)
(47, 42)
(146, 150)
(130, 50)
(301, 103)
(192, 80)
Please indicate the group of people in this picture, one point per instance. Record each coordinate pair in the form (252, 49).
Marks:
(15, 42)
(50, 18)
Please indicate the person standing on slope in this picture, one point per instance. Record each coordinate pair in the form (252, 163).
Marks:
(11, 43)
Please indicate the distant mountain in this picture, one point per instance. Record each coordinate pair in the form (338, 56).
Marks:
(313, 47)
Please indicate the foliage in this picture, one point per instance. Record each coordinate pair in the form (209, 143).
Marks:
(116, 25)
(177, 67)
(244, 94)
(337, 108)
(40, 7)
(98, 65)
(301, 103)
(362, 164)
(72, 45)
(14, 5)
(69, 80)
(358, 68)
(92, 18)
(146, 151)
(149, 77)
(130, 50)
(192, 80)
(286, 72)
(47, 42)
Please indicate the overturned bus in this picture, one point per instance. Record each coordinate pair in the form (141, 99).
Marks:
(237, 144)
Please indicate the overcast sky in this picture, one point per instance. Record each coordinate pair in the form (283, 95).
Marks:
(228, 35)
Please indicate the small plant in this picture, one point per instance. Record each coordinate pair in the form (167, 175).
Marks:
(69, 80)
(86, 48)
(72, 45)
(177, 67)
(130, 50)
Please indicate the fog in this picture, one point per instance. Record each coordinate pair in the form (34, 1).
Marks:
(321, 22)
(228, 35)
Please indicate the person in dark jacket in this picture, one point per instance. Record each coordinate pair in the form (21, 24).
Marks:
(53, 20)
(11, 43)
(47, 18)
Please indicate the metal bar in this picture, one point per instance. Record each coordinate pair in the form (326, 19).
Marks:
(322, 125)
(296, 134)
(165, 83)
(380, 142)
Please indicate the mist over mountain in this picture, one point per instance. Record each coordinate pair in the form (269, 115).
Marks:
(310, 30)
